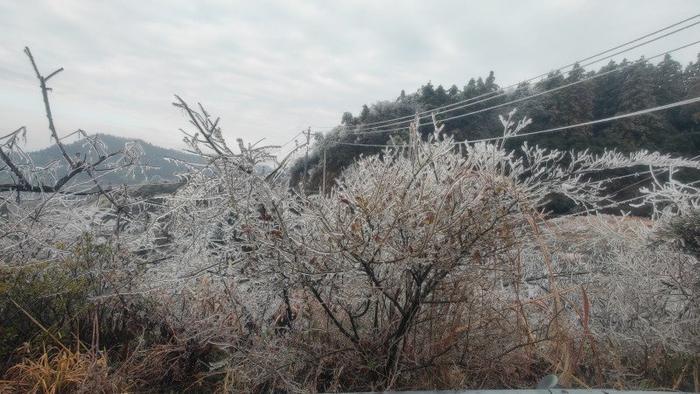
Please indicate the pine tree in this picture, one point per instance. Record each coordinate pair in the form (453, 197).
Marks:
(570, 105)
(607, 91)
(454, 93)
(651, 131)
(347, 119)
(427, 94)
(402, 97)
(490, 83)
(545, 110)
(689, 116)
(441, 97)
(364, 114)
(480, 86)
(575, 105)
(669, 86)
(669, 81)
(469, 90)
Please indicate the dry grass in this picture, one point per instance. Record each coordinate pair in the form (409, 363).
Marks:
(58, 370)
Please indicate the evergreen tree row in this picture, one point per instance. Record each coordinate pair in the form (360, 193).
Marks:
(624, 87)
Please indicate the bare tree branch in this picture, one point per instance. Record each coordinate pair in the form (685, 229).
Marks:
(47, 105)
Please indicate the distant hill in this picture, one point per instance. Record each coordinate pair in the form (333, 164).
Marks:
(159, 168)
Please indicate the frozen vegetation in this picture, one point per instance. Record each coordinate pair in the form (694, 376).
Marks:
(432, 265)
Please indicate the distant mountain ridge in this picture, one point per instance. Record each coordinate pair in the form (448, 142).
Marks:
(159, 169)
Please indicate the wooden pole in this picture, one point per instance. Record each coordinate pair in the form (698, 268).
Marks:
(306, 158)
(323, 185)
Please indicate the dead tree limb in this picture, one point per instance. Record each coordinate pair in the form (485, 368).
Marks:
(21, 182)
(47, 106)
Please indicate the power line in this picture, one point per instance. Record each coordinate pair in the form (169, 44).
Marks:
(292, 139)
(426, 113)
(553, 129)
(494, 95)
(597, 121)
(597, 75)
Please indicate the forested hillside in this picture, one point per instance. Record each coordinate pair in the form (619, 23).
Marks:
(616, 88)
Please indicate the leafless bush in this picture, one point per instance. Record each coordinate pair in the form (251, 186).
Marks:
(400, 243)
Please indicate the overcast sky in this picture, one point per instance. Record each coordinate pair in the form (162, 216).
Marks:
(271, 68)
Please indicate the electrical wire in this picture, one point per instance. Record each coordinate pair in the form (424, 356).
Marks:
(553, 129)
(471, 101)
(544, 92)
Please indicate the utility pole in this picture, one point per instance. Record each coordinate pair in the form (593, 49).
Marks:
(323, 185)
(306, 158)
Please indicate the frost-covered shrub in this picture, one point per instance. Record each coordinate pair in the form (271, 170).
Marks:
(431, 254)
(683, 231)
(632, 301)
(432, 265)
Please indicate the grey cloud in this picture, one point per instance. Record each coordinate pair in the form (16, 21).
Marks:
(270, 67)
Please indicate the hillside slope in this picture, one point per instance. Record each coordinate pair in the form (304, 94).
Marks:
(158, 168)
